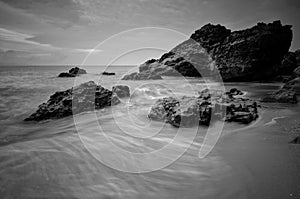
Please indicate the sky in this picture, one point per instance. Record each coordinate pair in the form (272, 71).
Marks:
(50, 32)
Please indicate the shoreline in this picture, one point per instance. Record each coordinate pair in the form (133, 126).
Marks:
(271, 165)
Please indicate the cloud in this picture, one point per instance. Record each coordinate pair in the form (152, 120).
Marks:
(28, 58)
(88, 50)
(13, 36)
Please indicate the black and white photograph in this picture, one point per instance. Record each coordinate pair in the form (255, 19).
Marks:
(149, 99)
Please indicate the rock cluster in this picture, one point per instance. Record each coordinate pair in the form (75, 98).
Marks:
(85, 97)
(193, 111)
(73, 72)
(245, 55)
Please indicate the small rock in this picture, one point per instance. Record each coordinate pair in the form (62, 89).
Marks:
(121, 91)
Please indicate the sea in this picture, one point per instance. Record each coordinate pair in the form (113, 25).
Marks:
(118, 152)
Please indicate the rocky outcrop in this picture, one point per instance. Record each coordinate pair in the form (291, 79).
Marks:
(296, 73)
(192, 111)
(296, 140)
(289, 63)
(85, 97)
(245, 55)
(73, 72)
(294, 81)
(121, 91)
(142, 76)
(282, 96)
(288, 92)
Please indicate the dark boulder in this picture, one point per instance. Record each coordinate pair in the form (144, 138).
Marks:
(121, 91)
(248, 54)
(73, 72)
(85, 97)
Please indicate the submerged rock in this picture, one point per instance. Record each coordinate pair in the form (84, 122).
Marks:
(73, 72)
(192, 111)
(85, 97)
(121, 91)
(142, 76)
(244, 55)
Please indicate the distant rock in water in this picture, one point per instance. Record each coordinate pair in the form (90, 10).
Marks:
(193, 111)
(73, 72)
(245, 55)
(108, 73)
(85, 97)
(142, 76)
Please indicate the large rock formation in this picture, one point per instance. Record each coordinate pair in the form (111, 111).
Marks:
(192, 111)
(245, 55)
(73, 72)
(85, 97)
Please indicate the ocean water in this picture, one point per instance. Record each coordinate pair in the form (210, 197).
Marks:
(70, 157)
